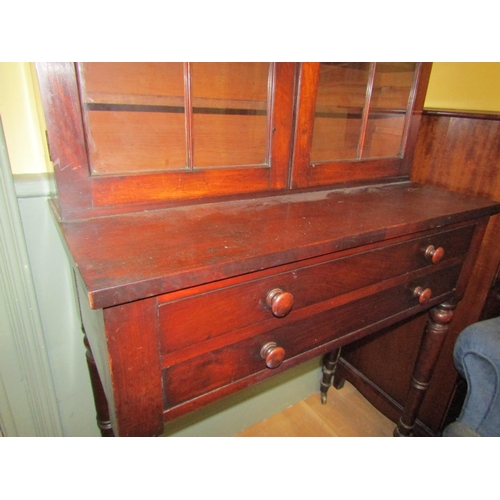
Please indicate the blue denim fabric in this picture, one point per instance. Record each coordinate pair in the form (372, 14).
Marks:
(477, 358)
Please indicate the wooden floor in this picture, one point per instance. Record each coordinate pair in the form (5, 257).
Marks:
(346, 414)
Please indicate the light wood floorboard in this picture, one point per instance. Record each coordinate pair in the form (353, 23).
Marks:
(346, 414)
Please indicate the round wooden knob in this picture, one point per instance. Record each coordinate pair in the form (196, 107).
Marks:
(280, 302)
(423, 294)
(433, 254)
(273, 354)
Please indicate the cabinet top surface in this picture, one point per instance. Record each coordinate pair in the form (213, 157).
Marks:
(132, 256)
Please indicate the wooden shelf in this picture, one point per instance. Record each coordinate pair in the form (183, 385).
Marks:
(355, 112)
(171, 104)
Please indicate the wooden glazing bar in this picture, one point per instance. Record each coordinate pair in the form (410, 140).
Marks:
(366, 110)
(409, 111)
(188, 106)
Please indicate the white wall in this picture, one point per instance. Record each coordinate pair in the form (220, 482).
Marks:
(58, 308)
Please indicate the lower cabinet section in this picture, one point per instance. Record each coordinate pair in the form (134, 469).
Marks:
(166, 354)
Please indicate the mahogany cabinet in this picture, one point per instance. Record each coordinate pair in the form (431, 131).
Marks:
(228, 221)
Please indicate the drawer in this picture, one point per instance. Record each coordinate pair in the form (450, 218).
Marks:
(215, 369)
(202, 316)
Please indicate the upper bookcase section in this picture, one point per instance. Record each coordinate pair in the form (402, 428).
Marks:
(129, 136)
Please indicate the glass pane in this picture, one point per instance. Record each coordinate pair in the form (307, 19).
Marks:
(339, 110)
(229, 103)
(388, 109)
(134, 114)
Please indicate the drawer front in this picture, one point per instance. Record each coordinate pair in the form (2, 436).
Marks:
(194, 377)
(200, 317)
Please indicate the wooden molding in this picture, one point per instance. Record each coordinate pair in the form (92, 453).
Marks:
(457, 113)
(28, 405)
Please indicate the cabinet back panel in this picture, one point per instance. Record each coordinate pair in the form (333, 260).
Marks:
(125, 141)
(227, 140)
(235, 80)
(126, 79)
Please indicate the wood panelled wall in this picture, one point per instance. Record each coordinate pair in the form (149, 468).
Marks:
(461, 152)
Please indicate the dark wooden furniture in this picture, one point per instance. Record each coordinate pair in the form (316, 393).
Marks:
(227, 222)
(491, 307)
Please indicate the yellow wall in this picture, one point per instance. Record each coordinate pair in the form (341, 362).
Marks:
(471, 86)
(22, 118)
(464, 86)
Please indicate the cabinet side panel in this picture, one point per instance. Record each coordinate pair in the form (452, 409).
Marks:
(93, 325)
(65, 135)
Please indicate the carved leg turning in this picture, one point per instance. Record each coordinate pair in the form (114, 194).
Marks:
(101, 404)
(329, 366)
(430, 347)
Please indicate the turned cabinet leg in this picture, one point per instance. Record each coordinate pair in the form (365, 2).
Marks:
(329, 366)
(101, 403)
(430, 347)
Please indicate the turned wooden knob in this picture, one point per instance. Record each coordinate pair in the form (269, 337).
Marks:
(423, 294)
(433, 254)
(280, 302)
(273, 354)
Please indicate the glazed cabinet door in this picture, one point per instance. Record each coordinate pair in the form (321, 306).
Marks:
(356, 121)
(125, 134)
